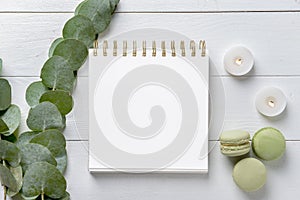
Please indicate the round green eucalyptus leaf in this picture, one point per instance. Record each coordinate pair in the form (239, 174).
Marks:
(18, 175)
(25, 138)
(34, 92)
(57, 74)
(62, 99)
(65, 197)
(80, 28)
(98, 11)
(53, 46)
(10, 153)
(53, 139)
(12, 118)
(20, 196)
(44, 116)
(43, 178)
(32, 153)
(62, 161)
(7, 178)
(3, 126)
(5, 94)
(64, 120)
(73, 51)
(113, 5)
(79, 6)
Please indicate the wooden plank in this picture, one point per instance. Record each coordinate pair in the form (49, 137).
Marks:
(154, 5)
(38, 6)
(27, 29)
(240, 110)
(184, 186)
(25, 38)
(283, 179)
(239, 95)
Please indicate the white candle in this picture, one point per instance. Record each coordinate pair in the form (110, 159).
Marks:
(238, 61)
(270, 101)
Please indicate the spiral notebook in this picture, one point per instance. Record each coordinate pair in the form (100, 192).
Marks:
(148, 106)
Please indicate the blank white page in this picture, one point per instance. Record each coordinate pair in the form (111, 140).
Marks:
(148, 113)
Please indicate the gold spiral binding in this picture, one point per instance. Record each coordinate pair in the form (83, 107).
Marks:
(182, 47)
(134, 48)
(115, 50)
(95, 47)
(153, 48)
(193, 49)
(202, 46)
(124, 48)
(105, 46)
(163, 47)
(144, 48)
(173, 48)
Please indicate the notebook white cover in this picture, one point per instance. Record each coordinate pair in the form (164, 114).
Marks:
(148, 113)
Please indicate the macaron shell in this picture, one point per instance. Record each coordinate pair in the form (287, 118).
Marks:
(235, 137)
(235, 150)
(249, 174)
(268, 144)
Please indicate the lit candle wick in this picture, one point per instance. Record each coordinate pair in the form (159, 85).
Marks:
(238, 61)
(271, 103)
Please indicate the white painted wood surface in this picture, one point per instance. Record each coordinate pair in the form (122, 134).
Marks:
(274, 43)
(239, 105)
(27, 28)
(155, 5)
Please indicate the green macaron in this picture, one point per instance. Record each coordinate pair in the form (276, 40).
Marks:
(268, 143)
(249, 174)
(235, 142)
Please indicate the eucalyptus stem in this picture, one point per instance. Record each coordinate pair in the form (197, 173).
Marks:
(4, 192)
(4, 187)
(43, 196)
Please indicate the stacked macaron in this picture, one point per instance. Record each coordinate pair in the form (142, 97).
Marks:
(267, 144)
(235, 142)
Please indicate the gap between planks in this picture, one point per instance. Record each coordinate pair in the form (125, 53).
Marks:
(86, 140)
(160, 12)
(214, 76)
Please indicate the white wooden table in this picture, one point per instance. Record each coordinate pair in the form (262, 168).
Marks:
(271, 29)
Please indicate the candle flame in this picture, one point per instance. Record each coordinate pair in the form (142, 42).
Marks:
(238, 61)
(271, 104)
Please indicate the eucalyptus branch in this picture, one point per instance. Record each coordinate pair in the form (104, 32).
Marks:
(50, 100)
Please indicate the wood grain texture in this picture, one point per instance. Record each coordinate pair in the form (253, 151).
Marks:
(154, 5)
(172, 186)
(270, 30)
(275, 47)
(238, 104)
(282, 182)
